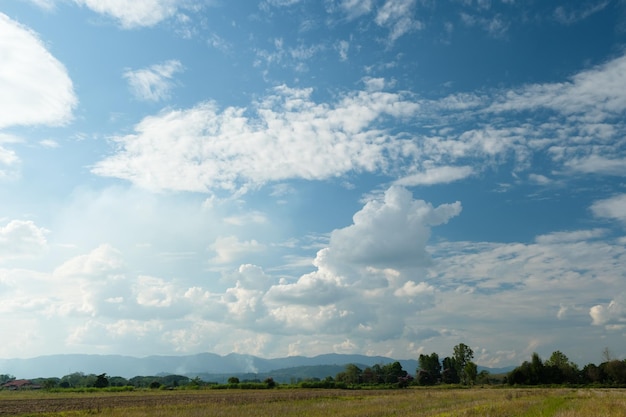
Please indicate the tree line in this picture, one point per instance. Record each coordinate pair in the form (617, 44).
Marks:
(456, 369)
(558, 369)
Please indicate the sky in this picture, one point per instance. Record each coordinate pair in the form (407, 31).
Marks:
(299, 177)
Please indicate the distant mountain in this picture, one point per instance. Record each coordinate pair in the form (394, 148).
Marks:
(208, 366)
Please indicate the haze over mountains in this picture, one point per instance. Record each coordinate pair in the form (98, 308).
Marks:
(207, 365)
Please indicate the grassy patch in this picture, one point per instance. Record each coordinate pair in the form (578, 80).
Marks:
(434, 402)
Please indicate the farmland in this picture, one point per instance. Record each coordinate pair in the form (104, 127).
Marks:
(305, 402)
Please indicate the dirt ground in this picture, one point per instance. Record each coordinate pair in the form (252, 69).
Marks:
(58, 402)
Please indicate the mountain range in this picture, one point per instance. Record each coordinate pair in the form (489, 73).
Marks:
(208, 366)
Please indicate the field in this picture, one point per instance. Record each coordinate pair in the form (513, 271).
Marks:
(300, 402)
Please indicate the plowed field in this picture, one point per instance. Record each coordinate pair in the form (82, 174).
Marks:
(30, 403)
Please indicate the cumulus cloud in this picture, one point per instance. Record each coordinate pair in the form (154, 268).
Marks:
(287, 135)
(230, 248)
(102, 260)
(19, 239)
(392, 230)
(155, 82)
(548, 288)
(133, 14)
(611, 208)
(36, 88)
(205, 149)
(612, 314)
(361, 285)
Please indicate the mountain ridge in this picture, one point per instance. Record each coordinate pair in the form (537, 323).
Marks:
(197, 364)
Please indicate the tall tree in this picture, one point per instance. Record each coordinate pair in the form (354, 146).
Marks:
(463, 355)
(450, 375)
(429, 371)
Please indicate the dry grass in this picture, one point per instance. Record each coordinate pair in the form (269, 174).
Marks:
(322, 403)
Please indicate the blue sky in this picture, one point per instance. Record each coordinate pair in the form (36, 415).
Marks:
(292, 177)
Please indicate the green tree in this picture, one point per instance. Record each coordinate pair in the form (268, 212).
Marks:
(101, 381)
(393, 372)
(615, 371)
(50, 383)
(483, 377)
(429, 371)
(561, 369)
(463, 356)
(449, 375)
(118, 381)
(233, 380)
(352, 375)
(270, 382)
(4, 378)
(470, 371)
(369, 376)
(537, 370)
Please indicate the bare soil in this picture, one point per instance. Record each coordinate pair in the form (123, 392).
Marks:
(58, 402)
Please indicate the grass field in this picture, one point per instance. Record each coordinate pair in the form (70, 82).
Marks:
(300, 402)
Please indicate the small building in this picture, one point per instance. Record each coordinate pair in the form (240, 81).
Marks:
(19, 384)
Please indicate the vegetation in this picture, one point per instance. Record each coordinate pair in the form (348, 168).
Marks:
(456, 370)
(417, 402)
(558, 370)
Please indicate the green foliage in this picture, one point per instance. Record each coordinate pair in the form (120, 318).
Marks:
(560, 370)
(101, 381)
(233, 380)
(270, 382)
(450, 373)
(4, 378)
(429, 372)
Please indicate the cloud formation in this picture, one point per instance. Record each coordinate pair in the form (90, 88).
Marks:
(155, 82)
(205, 148)
(20, 239)
(36, 88)
(133, 14)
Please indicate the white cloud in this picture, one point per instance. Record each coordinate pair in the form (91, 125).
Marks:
(548, 288)
(612, 208)
(496, 26)
(154, 292)
(136, 13)
(343, 47)
(207, 149)
(612, 315)
(229, 248)
(397, 15)
(597, 164)
(593, 95)
(280, 3)
(362, 286)
(437, 175)
(9, 161)
(568, 17)
(390, 231)
(36, 88)
(411, 290)
(573, 236)
(356, 8)
(204, 149)
(44, 4)
(103, 260)
(20, 239)
(155, 82)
